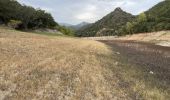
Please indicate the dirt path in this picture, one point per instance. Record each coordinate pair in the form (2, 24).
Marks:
(149, 57)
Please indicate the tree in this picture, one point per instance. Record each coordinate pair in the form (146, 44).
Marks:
(31, 18)
(8, 10)
(65, 30)
(142, 18)
(129, 28)
(26, 14)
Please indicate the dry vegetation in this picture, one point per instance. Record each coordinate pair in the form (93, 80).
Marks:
(154, 36)
(159, 38)
(37, 67)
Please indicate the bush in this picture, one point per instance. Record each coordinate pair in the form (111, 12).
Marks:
(14, 23)
(65, 30)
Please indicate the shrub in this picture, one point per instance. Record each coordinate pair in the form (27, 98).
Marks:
(14, 23)
(65, 30)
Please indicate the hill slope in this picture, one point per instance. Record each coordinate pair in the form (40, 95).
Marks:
(108, 25)
(24, 17)
(160, 14)
(40, 67)
(79, 26)
(162, 9)
(155, 19)
(75, 27)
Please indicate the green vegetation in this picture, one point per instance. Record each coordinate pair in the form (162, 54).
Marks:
(108, 25)
(14, 23)
(30, 18)
(121, 23)
(155, 19)
(66, 31)
(118, 22)
(129, 27)
(136, 26)
(25, 17)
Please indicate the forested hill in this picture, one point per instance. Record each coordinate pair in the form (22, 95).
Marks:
(27, 16)
(18, 16)
(156, 18)
(160, 13)
(162, 9)
(108, 25)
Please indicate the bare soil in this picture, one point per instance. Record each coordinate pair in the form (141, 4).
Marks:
(148, 57)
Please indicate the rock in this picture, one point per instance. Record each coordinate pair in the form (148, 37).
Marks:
(151, 72)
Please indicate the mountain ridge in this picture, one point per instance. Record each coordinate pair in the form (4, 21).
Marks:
(109, 23)
(75, 27)
(119, 22)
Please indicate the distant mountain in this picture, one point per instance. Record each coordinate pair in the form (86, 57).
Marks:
(75, 27)
(81, 25)
(65, 24)
(108, 25)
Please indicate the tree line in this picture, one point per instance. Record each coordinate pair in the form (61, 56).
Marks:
(23, 17)
(144, 23)
(155, 19)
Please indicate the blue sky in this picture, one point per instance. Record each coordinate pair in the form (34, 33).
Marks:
(76, 11)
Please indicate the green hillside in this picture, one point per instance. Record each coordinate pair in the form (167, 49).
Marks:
(160, 14)
(156, 18)
(22, 17)
(108, 25)
(162, 9)
(119, 22)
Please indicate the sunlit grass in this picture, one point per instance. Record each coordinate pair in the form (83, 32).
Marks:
(41, 67)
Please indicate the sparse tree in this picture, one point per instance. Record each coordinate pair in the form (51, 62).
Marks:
(142, 18)
(129, 28)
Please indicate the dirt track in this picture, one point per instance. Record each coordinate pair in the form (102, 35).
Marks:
(149, 57)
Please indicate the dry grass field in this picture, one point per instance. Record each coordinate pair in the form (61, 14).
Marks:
(153, 36)
(160, 38)
(39, 67)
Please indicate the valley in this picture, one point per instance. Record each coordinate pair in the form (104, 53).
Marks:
(49, 67)
(84, 50)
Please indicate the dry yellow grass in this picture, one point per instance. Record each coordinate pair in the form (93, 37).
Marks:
(153, 36)
(36, 67)
(160, 38)
(41, 67)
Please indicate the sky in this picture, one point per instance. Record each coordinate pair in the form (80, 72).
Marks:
(77, 11)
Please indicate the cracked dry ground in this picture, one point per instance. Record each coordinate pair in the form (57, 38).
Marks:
(35, 67)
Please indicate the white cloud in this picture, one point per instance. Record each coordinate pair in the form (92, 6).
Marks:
(91, 8)
(76, 11)
(88, 13)
(85, 16)
(47, 9)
